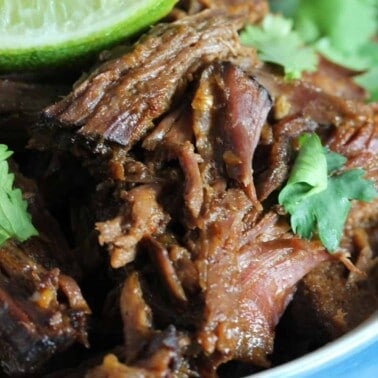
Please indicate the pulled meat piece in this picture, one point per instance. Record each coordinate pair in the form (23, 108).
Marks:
(331, 304)
(273, 169)
(162, 359)
(291, 260)
(18, 96)
(20, 104)
(51, 248)
(252, 10)
(334, 299)
(191, 142)
(335, 80)
(300, 98)
(240, 122)
(42, 310)
(148, 353)
(246, 289)
(136, 316)
(229, 110)
(119, 101)
(330, 300)
(142, 216)
(229, 143)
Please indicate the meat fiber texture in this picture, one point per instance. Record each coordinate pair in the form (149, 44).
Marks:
(195, 137)
(42, 310)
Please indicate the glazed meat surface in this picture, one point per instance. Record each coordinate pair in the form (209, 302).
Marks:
(170, 158)
(119, 101)
(42, 310)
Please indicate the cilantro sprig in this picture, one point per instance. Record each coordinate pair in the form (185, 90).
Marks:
(276, 42)
(318, 196)
(344, 31)
(15, 221)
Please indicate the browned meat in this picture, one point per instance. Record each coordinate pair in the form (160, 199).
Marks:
(142, 216)
(228, 113)
(166, 268)
(301, 98)
(330, 299)
(334, 299)
(112, 367)
(51, 248)
(162, 359)
(227, 134)
(20, 104)
(22, 96)
(359, 143)
(243, 298)
(42, 310)
(120, 100)
(274, 168)
(171, 139)
(148, 353)
(136, 316)
(252, 10)
(240, 122)
(336, 80)
(347, 127)
(332, 304)
(187, 143)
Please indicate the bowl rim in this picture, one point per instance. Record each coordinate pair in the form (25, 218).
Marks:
(360, 337)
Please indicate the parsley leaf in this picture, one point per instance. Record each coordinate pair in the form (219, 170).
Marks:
(276, 42)
(319, 208)
(15, 222)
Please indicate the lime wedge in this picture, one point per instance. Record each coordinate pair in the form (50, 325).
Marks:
(37, 33)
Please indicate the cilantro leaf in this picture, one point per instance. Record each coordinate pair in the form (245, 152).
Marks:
(323, 211)
(369, 81)
(15, 222)
(334, 161)
(362, 58)
(309, 173)
(344, 31)
(347, 23)
(276, 42)
(287, 8)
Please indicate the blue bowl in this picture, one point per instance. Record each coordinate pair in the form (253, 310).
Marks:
(352, 355)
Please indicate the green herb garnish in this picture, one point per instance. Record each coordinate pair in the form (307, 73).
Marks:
(369, 81)
(318, 196)
(15, 221)
(276, 42)
(344, 31)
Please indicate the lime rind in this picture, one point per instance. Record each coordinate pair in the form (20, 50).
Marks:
(93, 34)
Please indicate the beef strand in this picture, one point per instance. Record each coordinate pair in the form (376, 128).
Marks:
(192, 141)
(42, 310)
(120, 100)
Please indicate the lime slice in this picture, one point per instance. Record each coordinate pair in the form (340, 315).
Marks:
(37, 33)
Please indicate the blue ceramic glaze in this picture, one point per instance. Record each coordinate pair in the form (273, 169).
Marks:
(354, 355)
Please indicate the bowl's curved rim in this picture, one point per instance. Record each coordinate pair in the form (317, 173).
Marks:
(362, 336)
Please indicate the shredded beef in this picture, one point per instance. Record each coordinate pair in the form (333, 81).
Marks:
(242, 110)
(42, 310)
(188, 139)
(120, 100)
(19, 96)
(253, 10)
